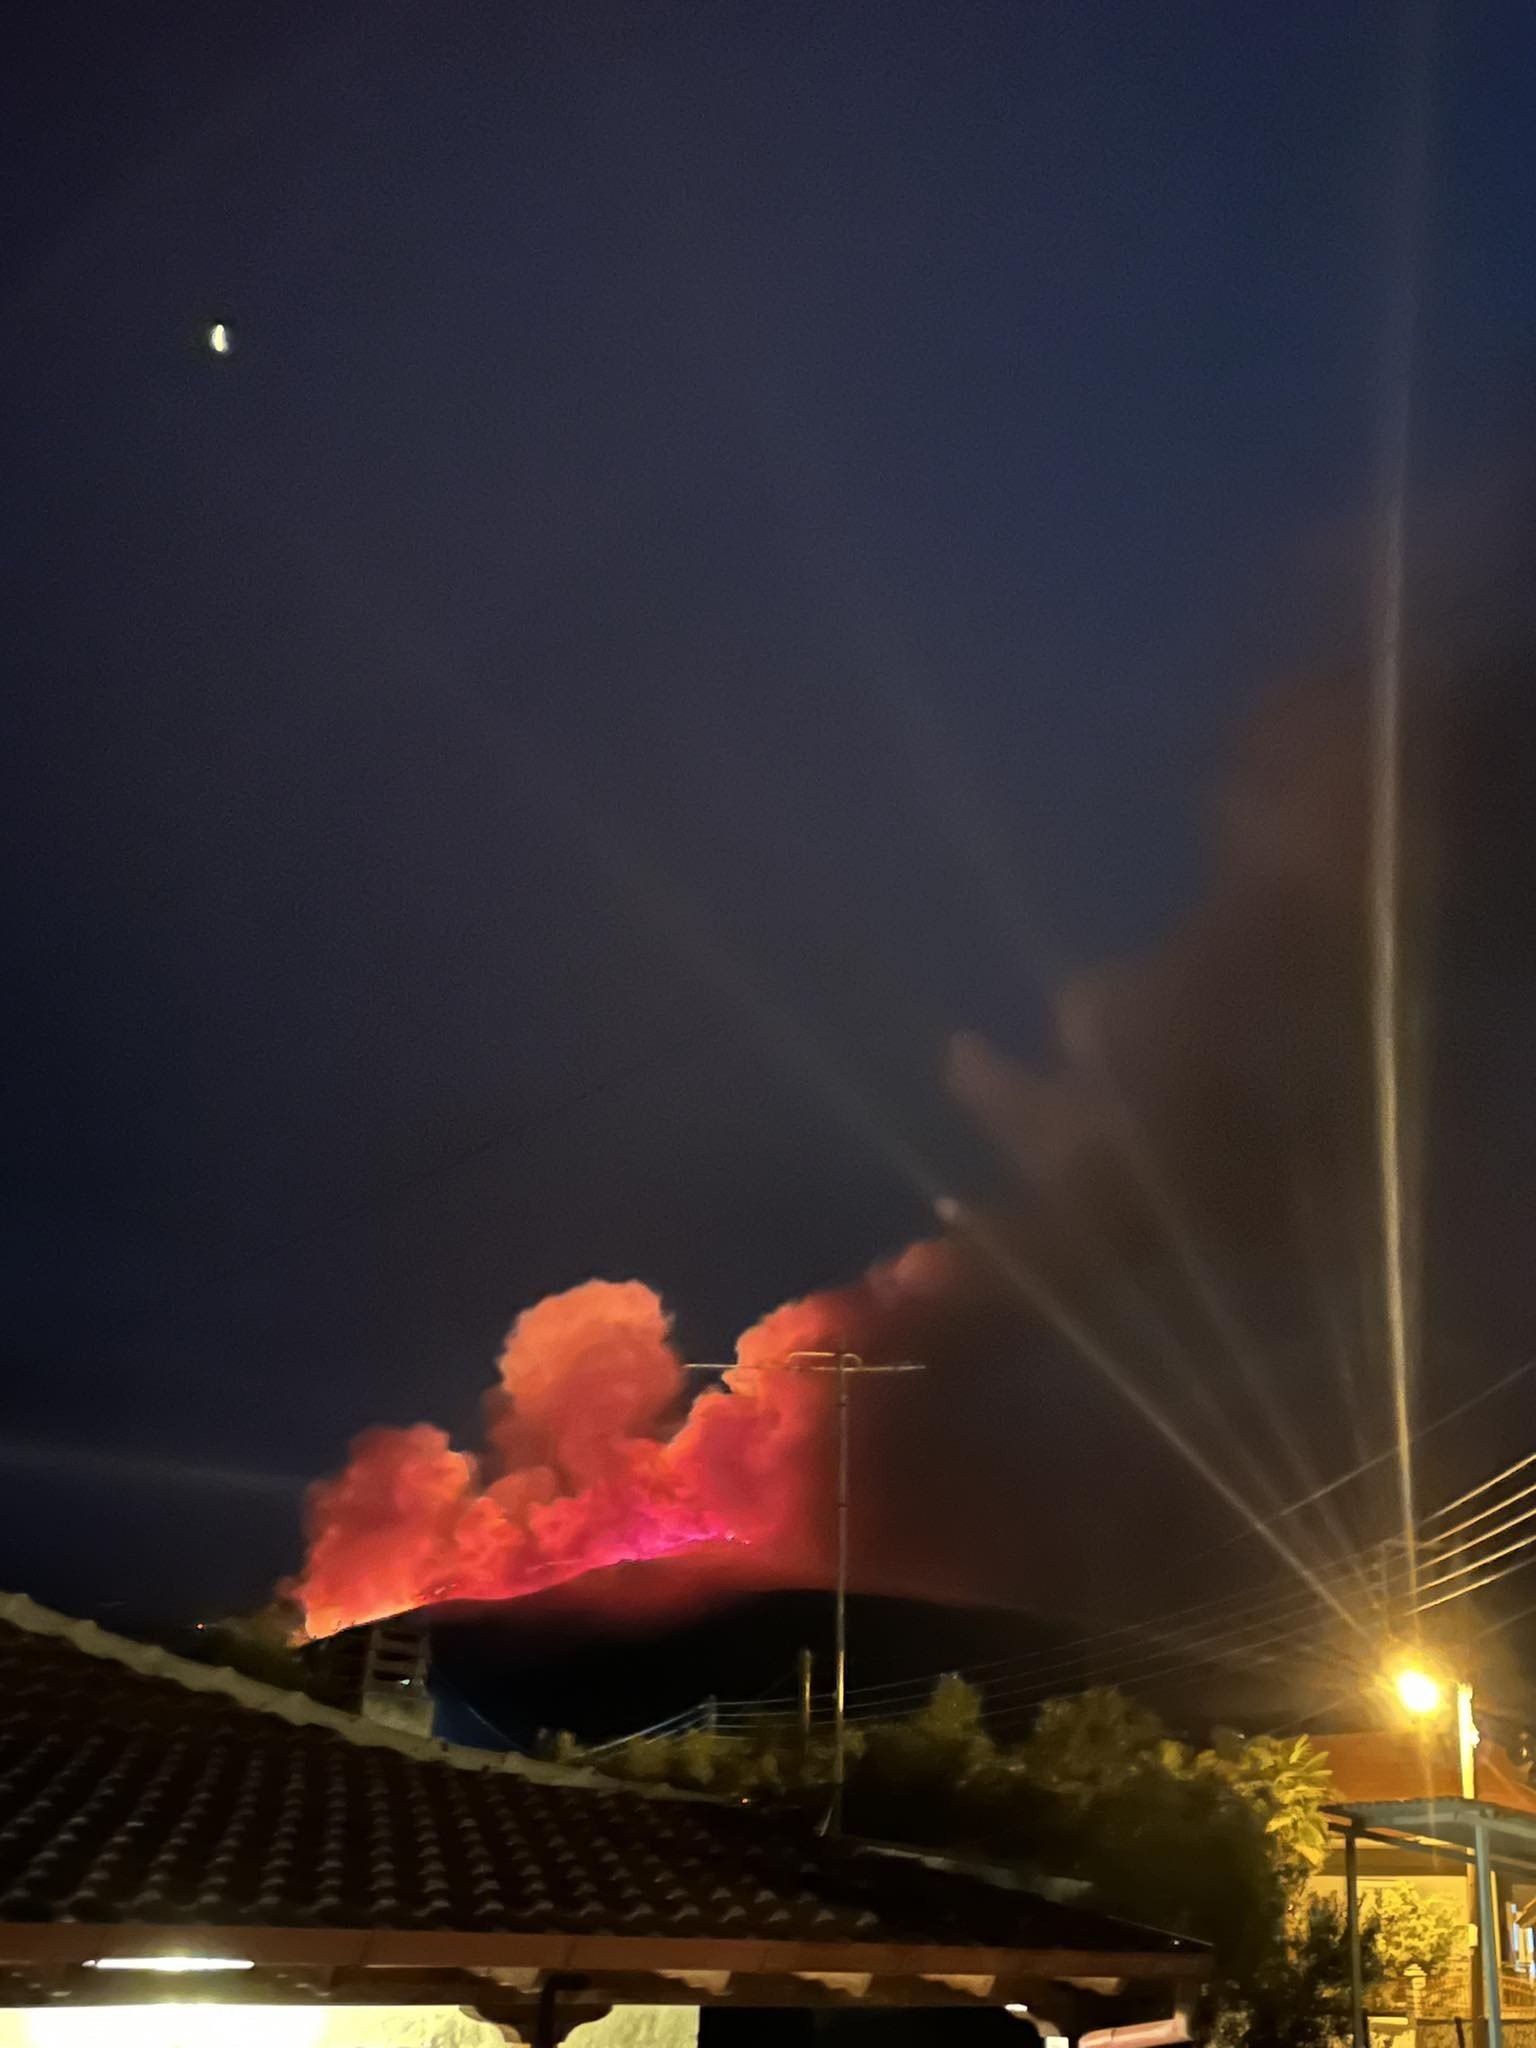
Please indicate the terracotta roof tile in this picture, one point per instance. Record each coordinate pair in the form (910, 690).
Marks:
(1386, 1764)
(137, 1787)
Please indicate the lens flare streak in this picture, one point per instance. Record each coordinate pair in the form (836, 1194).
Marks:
(1034, 1290)
(1386, 773)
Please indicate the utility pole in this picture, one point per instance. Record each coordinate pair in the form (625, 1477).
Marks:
(1482, 1931)
(1467, 1739)
(1422, 1693)
(843, 1365)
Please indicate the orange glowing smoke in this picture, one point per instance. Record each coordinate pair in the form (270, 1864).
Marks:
(587, 1463)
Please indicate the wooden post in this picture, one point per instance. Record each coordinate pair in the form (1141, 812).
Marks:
(1477, 1959)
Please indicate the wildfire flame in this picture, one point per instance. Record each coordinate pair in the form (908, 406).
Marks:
(586, 1464)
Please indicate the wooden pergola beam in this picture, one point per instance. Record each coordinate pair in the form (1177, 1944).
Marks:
(76, 1985)
(62, 1943)
(528, 2010)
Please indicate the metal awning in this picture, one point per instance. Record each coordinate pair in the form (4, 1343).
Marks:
(1435, 1825)
(1482, 1835)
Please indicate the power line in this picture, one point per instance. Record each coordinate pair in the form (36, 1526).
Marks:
(1475, 1492)
(1009, 1702)
(1476, 1564)
(1508, 1620)
(1338, 1572)
(1457, 1528)
(1184, 1648)
(1034, 1288)
(1064, 1658)
(1189, 1644)
(1440, 1556)
(1385, 1457)
(1012, 1686)
(1477, 1587)
(1241, 1644)
(1064, 1661)
(1297, 1643)
(1333, 1572)
(674, 1724)
(1297, 1723)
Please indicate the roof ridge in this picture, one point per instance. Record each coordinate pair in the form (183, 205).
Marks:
(297, 1708)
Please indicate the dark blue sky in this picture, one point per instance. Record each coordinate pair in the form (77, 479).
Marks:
(731, 537)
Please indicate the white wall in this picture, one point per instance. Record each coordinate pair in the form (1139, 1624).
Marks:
(174, 2024)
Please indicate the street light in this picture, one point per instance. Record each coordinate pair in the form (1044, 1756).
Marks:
(1422, 1694)
(1419, 1693)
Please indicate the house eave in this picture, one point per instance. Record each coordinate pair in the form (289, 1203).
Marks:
(77, 1942)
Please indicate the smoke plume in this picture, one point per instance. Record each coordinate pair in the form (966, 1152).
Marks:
(589, 1459)
(1197, 1196)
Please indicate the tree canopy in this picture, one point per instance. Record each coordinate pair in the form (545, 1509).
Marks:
(1414, 1929)
(1214, 1843)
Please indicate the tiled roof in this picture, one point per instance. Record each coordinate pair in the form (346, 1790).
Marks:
(1385, 1764)
(136, 1787)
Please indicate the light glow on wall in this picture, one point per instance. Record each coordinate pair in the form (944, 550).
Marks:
(171, 2024)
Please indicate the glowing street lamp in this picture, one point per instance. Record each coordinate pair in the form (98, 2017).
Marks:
(1422, 1694)
(1418, 1691)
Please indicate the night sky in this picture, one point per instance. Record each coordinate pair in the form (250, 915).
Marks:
(734, 541)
